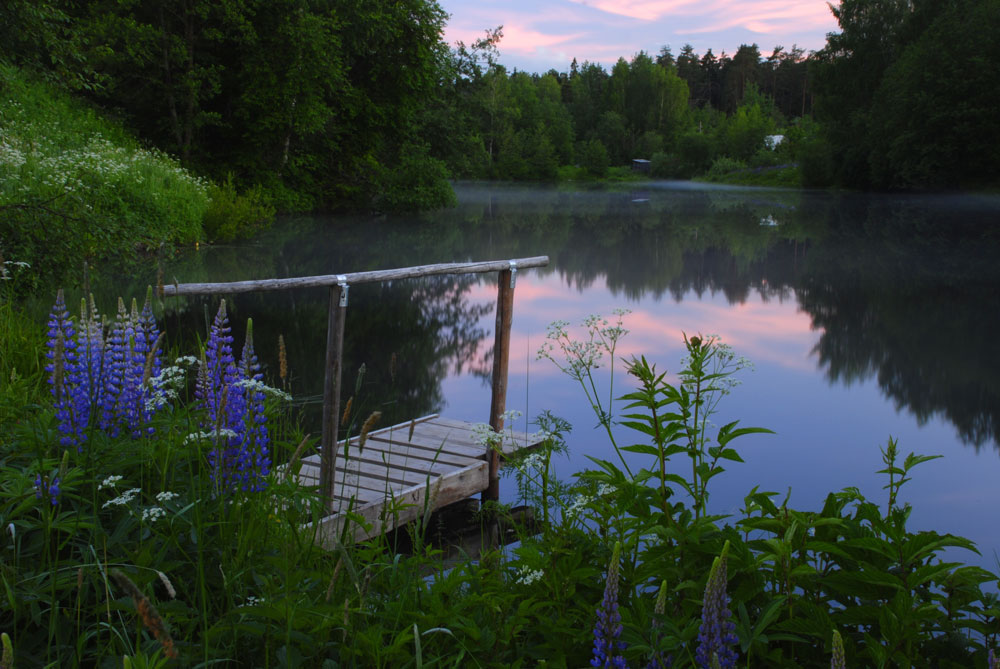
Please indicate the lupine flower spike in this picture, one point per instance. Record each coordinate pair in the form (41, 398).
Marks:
(993, 660)
(658, 660)
(838, 661)
(607, 647)
(716, 636)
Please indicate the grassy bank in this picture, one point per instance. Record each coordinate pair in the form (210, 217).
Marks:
(75, 186)
(138, 535)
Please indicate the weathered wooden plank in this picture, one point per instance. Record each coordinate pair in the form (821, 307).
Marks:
(447, 489)
(396, 460)
(517, 436)
(353, 278)
(375, 469)
(445, 444)
(513, 440)
(418, 452)
(367, 486)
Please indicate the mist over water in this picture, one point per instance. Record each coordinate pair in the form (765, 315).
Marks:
(865, 315)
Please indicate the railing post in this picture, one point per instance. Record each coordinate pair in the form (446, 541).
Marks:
(501, 357)
(331, 391)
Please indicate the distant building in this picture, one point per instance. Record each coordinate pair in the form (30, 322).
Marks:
(641, 165)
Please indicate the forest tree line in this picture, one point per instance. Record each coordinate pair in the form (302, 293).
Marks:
(361, 104)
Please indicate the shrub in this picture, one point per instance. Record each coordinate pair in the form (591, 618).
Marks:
(418, 182)
(231, 215)
(593, 157)
(75, 187)
(666, 166)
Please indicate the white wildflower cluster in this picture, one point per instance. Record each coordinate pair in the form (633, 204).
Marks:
(123, 499)
(210, 435)
(165, 496)
(527, 575)
(582, 356)
(109, 482)
(605, 489)
(259, 386)
(533, 463)
(152, 513)
(164, 387)
(253, 601)
(579, 503)
(485, 436)
(540, 436)
(17, 264)
(31, 155)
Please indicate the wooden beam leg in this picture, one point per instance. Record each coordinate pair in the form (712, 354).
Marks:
(501, 357)
(331, 395)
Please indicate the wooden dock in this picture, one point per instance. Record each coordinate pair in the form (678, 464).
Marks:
(404, 472)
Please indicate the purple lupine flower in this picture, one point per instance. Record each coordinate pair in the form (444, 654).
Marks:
(54, 491)
(114, 371)
(255, 459)
(716, 636)
(86, 383)
(231, 394)
(62, 365)
(993, 661)
(45, 487)
(607, 647)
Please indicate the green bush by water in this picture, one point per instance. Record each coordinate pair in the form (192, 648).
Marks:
(74, 186)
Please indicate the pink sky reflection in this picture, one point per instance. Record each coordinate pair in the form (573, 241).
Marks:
(776, 332)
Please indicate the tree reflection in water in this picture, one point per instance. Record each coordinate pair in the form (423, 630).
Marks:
(902, 289)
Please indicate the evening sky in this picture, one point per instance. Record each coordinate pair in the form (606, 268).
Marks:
(540, 35)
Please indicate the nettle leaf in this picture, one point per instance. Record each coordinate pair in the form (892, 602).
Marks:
(912, 460)
(727, 433)
(644, 449)
(871, 544)
(827, 548)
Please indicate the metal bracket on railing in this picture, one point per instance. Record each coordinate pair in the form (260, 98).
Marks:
(342, 282)
(513, 272)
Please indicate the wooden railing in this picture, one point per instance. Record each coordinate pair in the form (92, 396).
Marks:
(339, 285)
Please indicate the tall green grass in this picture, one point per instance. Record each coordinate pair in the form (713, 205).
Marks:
(75, 186)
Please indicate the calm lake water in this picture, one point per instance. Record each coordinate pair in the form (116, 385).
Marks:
(866, 316)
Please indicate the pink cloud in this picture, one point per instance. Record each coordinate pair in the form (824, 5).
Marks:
(644, 10)
(767, 17)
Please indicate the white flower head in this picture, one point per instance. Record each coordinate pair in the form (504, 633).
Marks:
(109, 482)
(152, 514)
(527, 575)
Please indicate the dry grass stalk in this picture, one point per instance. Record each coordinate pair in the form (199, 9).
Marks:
(296, 456)
(367, 427)
(150, 617)
(147, 369)
(347, 411)
(333, 579)
(282, 361)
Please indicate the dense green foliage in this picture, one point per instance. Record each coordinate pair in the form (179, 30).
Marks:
(174, 567)
(316, 101)
(343, 103)
(907, 93)
(74, 187)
